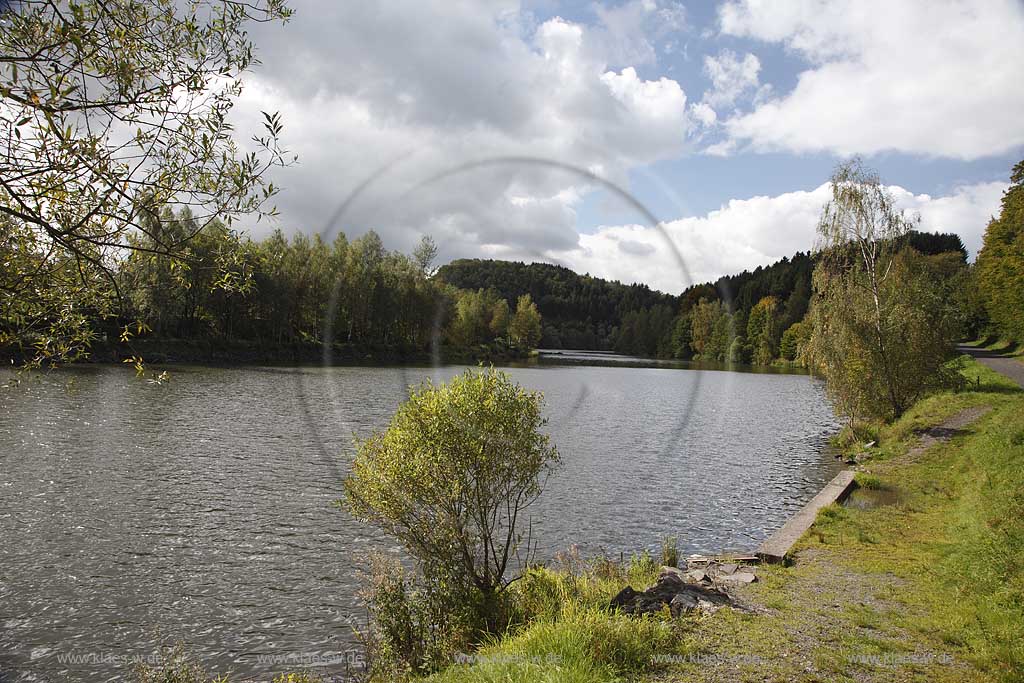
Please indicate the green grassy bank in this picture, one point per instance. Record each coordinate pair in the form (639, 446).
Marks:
(920, 577)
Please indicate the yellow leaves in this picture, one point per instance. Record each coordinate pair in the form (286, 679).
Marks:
(159, 379)
(140, 368)
(140, 328)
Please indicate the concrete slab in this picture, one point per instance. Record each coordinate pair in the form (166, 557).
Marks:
(775, 547)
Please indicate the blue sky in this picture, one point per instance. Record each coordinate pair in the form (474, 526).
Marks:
(724, 119)
(704, 182)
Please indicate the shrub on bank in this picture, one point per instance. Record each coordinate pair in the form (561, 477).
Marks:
(417, 623)
(451, 478)
(565, 632)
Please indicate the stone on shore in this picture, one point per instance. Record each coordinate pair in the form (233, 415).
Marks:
(738, 578)
(675, 589)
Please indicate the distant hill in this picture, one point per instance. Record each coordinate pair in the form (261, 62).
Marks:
(579, 311)
(586, 312)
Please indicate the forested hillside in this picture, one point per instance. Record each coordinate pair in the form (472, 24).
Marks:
(579, 311)
(753, 316)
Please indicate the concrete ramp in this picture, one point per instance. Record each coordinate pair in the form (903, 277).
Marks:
(775, 547)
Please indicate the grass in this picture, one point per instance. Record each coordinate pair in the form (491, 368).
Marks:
(569, 634)
(869, 481)
(927, 588)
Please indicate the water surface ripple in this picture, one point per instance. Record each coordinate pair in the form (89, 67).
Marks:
(201, 510)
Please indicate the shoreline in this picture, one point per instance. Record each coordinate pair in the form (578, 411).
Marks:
(214, 353)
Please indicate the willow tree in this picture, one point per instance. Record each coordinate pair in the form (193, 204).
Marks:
(111, 110)
(883, 323)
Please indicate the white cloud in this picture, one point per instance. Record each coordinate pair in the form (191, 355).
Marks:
(966, 211)
(704, 114)
(746, 233)
(418, 91)
(919, 76)
(731, 77)
(437, 85)
(627, 33)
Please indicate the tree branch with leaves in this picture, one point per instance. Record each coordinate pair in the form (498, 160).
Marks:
(109, 111)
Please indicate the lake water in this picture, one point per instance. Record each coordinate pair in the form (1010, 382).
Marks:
(201, 511)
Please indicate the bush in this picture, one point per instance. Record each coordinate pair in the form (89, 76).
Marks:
(451, 477)
(642, 564)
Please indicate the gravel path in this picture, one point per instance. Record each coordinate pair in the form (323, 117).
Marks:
(1011, 367)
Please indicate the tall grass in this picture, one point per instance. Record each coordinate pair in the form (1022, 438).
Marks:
(566, 631)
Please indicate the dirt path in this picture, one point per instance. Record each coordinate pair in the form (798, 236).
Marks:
(1011, 367)
(954, 426)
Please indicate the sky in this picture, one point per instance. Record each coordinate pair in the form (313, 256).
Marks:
(644, 141)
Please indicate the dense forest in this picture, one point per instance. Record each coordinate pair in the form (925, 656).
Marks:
(285, 298)
(752, 317)
(270, 299)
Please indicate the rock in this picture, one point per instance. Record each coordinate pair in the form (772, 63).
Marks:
(696, 576)
(680, 597)
(727, 568)
(672, 572)
(739, 577)
(682, 603)
(624, 597)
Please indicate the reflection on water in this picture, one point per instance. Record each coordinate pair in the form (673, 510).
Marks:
(598, 358)
(201, 510)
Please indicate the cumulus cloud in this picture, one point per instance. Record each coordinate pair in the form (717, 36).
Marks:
(966, 211)
(414, 94)
(924, 77)
(746, 233)
(703, 114)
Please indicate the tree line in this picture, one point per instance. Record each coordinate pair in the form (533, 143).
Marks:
(751, 317)
(281, 295)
